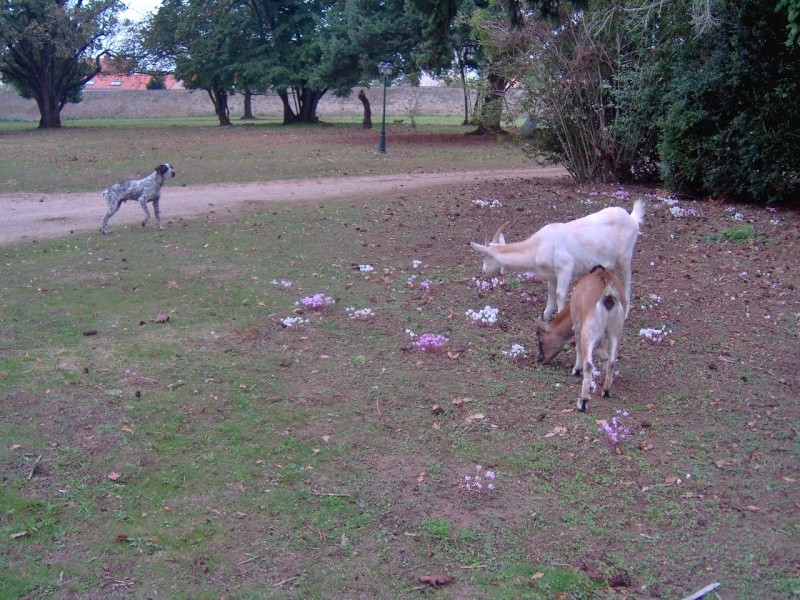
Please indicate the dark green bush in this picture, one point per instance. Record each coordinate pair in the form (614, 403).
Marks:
(733, 124)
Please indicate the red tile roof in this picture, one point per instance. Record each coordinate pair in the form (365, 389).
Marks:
(133, 81)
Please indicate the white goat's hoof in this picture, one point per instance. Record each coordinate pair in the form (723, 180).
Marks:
(581, 405)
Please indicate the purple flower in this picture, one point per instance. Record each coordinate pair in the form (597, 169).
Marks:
(430, 342)
(317, 301)
(480, 483)
(616, 431)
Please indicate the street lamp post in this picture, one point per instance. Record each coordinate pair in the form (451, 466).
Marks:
(384, 69)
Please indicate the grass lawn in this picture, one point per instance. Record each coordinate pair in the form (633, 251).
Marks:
(177, 423)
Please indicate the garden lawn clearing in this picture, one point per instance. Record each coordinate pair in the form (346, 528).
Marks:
(212, 411)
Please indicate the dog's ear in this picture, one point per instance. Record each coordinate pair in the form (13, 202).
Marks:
(162, 169)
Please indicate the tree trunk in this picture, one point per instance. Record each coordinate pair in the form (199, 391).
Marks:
(220, 99)
(307, 106)
(46, 97)
(248, 106)
(288, 113)
(462, 69)
(492, 109)
(49, 111)
(309, 99)
(366, 123)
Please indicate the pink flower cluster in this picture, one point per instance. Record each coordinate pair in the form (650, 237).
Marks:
(430, 342)
(317, 301)
(615, 430)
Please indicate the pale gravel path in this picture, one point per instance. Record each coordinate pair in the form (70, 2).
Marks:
(40, 216)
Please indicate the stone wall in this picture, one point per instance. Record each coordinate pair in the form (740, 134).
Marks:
(400, 101)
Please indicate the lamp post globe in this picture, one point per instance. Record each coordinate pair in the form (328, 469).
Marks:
(385, 69)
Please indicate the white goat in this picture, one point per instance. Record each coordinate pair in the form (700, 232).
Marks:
(595, 315)
(560, 251)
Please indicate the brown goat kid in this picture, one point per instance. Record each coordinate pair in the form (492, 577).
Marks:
(595, 316)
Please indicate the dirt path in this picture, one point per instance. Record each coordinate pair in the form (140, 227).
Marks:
(39, 216)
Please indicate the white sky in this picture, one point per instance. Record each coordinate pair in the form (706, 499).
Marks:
(139, 8)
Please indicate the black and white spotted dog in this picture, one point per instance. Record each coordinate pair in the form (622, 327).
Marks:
(142, 190)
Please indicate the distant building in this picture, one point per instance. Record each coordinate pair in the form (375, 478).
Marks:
(128, 81)
(115, 76)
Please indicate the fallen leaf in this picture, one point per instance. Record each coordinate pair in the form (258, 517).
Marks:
(326, 438)
(670, 480)
(20, 534)
(17, 447)
(789, 479)
(436, 579)
(114, 476)
(460, 401)
(173, 285)
(538, 575)
(557, 431)
(421, 477)
(161, 319)
(437, 427)
(475, 417)
(752, 508)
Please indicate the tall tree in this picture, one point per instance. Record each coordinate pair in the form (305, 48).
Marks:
(205, 40)
(50, 48)
(300, 49)
(287, 52)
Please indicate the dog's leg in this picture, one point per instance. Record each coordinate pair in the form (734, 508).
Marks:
(157, 210)
(112, 209)
(143, 202)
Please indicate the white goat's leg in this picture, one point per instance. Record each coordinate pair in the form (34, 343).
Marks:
(557, 290)
(550, 308)
(625, 276)
(562, 289)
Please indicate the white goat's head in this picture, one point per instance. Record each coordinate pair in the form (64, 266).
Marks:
(491, 266)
